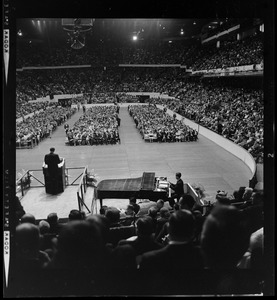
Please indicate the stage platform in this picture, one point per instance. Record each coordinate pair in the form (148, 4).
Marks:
(37, 202)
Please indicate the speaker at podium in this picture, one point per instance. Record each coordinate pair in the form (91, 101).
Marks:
(54, 183)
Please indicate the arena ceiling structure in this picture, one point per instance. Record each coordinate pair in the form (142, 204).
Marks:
(51, 31)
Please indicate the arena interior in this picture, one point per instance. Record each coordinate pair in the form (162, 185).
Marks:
(129, 102)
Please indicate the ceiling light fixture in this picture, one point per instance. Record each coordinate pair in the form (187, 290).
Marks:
(77, 32)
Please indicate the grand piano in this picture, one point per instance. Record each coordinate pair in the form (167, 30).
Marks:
(145, 187)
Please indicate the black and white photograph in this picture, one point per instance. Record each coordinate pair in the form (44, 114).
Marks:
(138, 148)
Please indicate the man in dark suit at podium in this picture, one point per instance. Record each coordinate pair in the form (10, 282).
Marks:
(52, 182)
(52, 160)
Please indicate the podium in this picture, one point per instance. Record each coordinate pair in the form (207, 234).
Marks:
(54, 184)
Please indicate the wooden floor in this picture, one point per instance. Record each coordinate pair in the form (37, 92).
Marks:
(201, 162)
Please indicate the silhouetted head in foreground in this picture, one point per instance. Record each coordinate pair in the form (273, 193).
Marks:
(224, 238)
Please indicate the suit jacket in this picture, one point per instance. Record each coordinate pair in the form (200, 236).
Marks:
(171, 270)
(159, 225)
(173, 257)
(52, 160)
(178, 187)
(142, 244)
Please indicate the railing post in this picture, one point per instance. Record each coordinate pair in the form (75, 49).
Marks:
(78, 197)
(21, 185)
(85, 183)
(82, 192)
(29, 179)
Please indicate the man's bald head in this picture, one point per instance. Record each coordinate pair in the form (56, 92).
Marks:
(27, 240)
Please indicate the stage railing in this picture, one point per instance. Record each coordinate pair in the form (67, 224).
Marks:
(23, 184)
(82, 188)
(188, 189)
(34, 178)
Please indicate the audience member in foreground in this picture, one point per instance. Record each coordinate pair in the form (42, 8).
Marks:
(133, 201)
(253, 257)
(78, 259)
(28, 218)
(55, 225)
(170, 269)
(26, 276)
(179, 254)
(144, 240)
(224, 240)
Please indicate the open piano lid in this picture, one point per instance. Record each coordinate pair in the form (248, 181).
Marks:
(148, 181)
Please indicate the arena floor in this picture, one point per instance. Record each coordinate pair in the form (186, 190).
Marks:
(202, 162)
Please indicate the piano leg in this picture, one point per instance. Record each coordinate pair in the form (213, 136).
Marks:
(101, 202)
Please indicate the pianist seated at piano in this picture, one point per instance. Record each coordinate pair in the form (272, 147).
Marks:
(178, 189)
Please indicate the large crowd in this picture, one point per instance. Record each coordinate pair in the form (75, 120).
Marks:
(244, 52)
(148, 248)
(97, 126)
(225, 110)
(218, 106)
(24, 109)
(229, 54)
(151, 120)
(32, 130)
(41, 83)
